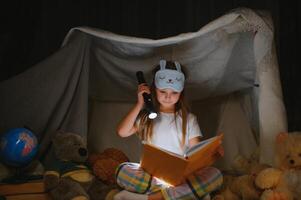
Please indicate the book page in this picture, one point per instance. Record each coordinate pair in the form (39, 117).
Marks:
(198, 146)
(164, 150)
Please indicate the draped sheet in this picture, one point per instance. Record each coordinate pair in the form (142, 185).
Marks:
(232, 85)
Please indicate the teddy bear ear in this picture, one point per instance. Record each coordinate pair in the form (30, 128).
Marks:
(58, 136)
(281, 137)
(60, 131)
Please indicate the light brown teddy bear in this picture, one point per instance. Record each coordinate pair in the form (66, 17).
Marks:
(239, 184)
(104, 164)
(284, 181)
(250, 166)
(236, 188)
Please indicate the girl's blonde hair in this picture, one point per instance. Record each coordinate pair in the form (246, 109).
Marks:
(145, 126)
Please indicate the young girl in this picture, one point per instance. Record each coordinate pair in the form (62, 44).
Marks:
(175, 129)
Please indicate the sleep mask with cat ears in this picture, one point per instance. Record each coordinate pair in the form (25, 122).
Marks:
(169, 78)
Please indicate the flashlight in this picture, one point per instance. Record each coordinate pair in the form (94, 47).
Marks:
(149, 106)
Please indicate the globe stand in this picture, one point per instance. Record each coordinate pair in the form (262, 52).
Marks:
(20, 176)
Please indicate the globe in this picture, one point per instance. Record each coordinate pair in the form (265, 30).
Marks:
(18, 146)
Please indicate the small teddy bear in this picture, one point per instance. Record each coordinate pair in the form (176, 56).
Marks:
(284, 180)
(251, 165)
(69, 177)
(236, 188)
(239, 183)
(104, 164)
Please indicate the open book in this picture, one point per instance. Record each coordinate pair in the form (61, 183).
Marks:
(173, 168)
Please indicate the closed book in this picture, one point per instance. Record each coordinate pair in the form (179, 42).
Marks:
(22, 188)
(37, 196)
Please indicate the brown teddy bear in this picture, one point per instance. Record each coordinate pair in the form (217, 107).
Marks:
(284, 180)
(104, 164)
(69, 177)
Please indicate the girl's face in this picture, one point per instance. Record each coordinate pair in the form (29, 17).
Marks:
(167, 98)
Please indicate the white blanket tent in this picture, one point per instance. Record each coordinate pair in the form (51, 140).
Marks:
(86, 87)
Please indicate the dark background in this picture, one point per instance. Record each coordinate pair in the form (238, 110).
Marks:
(33, 30)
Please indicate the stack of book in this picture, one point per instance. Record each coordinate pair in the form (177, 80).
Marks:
(32, 190)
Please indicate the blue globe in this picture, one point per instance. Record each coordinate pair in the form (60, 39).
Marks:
(18, 147)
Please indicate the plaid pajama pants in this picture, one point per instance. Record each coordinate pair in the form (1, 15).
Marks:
(132, 177)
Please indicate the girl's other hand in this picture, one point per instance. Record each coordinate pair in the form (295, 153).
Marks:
(142, 88)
